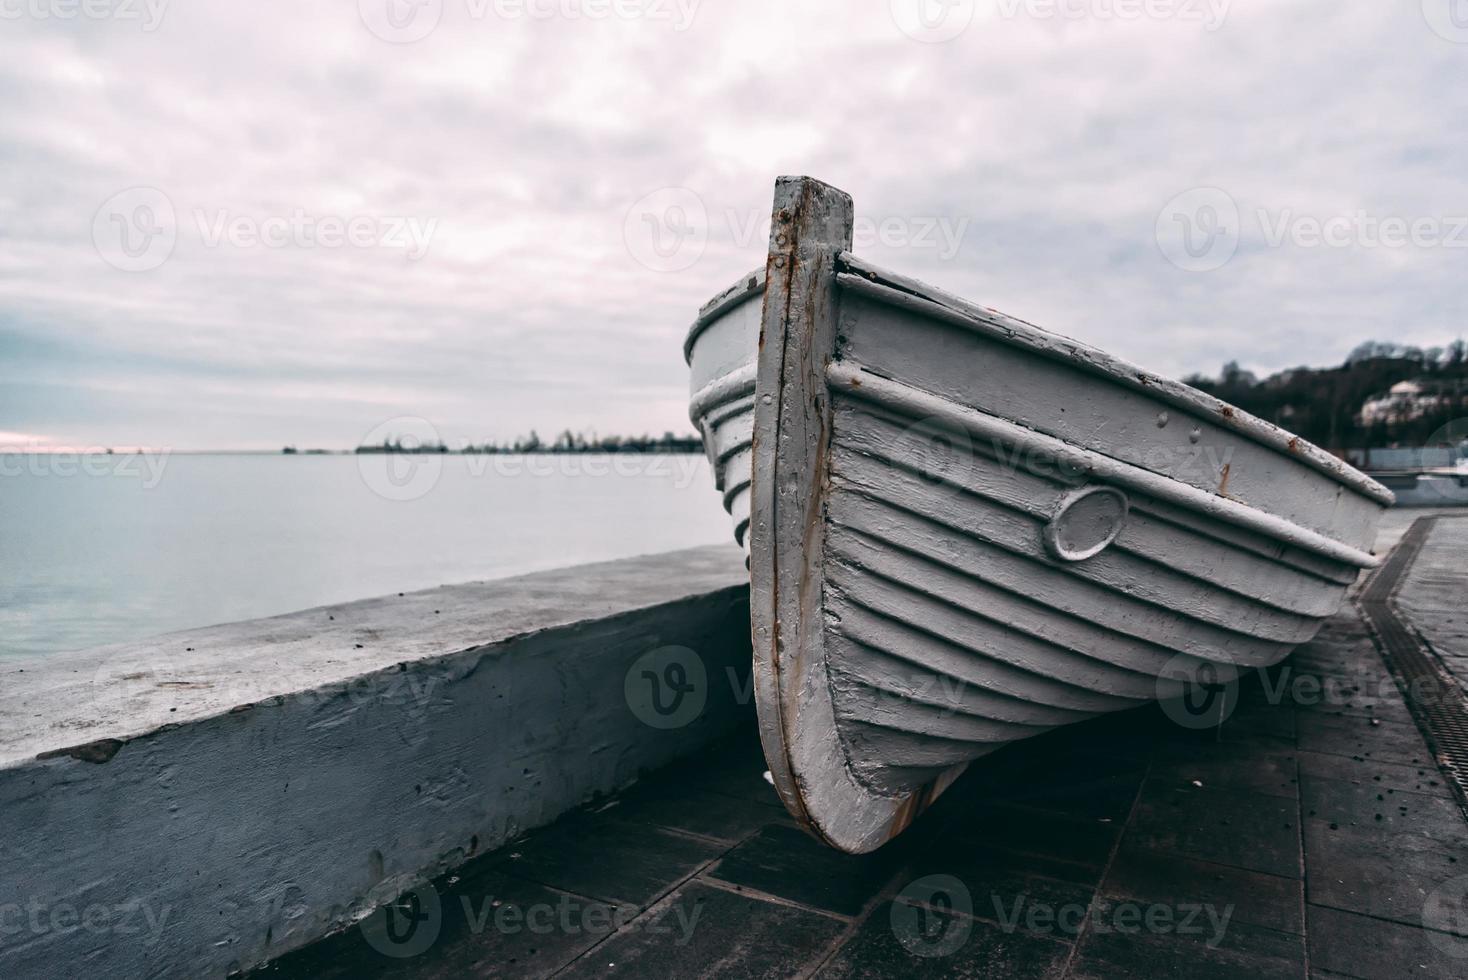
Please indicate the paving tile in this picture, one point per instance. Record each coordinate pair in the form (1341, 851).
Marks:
(901, 940)
(1370, 949)
(1224, 826)
(1362, 805)
(623, 863)
(790, 864)
(735, 767)
(1080, 843)
(1264, 708)
(1049, 774)
(1217, 766)
(959, 852)
(1087, 798)
(701, 930)
(1181, 744)
(490, 926)
(1248, 897)
(1387, 777)
(1360, 696)
(1112, 740)
(665, 803)
(1375, 871)
(1119, 956)
(1357, 737)
(998, 883)
(1213, 926)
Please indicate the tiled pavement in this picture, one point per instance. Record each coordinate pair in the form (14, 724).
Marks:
(1434, 595)
(1304, 837)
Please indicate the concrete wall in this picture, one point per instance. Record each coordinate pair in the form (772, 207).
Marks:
(199, 803)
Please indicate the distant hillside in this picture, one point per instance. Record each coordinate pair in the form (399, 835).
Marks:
(1323, 404)
(566, 442)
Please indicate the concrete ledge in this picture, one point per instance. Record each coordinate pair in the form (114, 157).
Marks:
(199, 803)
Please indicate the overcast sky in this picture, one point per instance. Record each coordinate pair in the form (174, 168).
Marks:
(229, 224)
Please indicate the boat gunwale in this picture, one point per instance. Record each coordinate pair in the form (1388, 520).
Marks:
(879, 284)
(1016, 332)
(748, 286)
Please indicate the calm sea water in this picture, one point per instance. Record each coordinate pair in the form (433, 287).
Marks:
(107, 549)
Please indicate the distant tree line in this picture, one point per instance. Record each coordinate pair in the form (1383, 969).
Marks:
(1323, 404)
(566, 442)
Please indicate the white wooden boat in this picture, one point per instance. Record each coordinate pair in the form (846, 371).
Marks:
(964, 530)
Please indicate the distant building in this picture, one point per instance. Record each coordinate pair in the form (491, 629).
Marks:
(1403, 402)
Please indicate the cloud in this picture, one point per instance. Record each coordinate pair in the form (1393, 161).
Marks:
(1045, 139)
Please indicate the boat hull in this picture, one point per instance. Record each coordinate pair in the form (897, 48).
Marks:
(964, 531)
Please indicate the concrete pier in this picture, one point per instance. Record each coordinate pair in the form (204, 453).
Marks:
(193, 805)
(503, 780)
(1309, 835)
